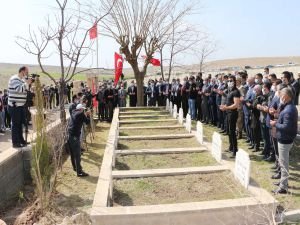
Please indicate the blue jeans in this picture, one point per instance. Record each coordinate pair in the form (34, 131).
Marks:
(192, 108)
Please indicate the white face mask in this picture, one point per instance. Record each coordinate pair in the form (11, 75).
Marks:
(264, 92)
(273, 88)
(281, 101)
(205, 82)
(256, 81)
(230, 84)
(108, 86)
(265, 80)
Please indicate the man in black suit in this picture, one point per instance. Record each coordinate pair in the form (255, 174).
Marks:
(132, 92)
(152, 93)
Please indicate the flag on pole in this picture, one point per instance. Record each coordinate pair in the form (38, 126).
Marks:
(118, 67)
(95, 102)
(93, 31)
(155, 62)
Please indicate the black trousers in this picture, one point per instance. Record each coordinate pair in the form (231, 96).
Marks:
(256, 134)
(75, 152)
(185, 106)
(198, 108)
(232, 117)
(109, 110)
(18, 119)
(7, 120)
(101, 110)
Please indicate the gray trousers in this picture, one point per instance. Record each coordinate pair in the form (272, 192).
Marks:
(2, 123)
(284, 154)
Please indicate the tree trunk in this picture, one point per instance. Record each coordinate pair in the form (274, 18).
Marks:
(62, 87)
(140, 88)
(161, 64)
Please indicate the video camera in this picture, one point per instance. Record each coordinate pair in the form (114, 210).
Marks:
(32, 76)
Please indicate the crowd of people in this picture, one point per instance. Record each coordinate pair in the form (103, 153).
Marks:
(261, 109)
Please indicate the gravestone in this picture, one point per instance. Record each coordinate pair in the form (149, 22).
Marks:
(188, 123)
(180, 117)
(175, 111)
(171, 108)
(167, 104)
(242, 167)
(199, 133)
(216, 149)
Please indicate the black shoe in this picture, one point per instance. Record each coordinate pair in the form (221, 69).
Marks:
(223, 131)
(25, 143)
(276, 183)
(280, 191)
(256, 150)
(270, 159)
(232, 156)
(248, 141)
(276, 176)
(2, 132)
(18, 145)
(228, 150)
(82, 174)
(251, 147)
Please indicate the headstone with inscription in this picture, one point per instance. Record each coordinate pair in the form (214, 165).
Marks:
(188, 123)
(175, 111)
(180, 116)
(199, 133)
(216, 149)
(242, 167)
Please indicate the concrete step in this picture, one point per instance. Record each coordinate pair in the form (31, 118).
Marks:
(160, 151)
(148, 112)
(167, 172)
(143, 108)
(156, 137)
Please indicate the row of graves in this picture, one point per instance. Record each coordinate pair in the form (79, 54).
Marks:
(157, 170)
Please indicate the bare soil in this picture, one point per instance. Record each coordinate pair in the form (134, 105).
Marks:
(152, 131)
(167, 143)
(177, 189)
(178, 160)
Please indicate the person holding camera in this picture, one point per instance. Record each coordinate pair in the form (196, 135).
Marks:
(78, 117)
(17, 96)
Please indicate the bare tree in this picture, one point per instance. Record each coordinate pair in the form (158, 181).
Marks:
(67, 38)
(139, 26)
(205, 49)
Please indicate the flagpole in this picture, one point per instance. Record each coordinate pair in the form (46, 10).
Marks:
(97, 52)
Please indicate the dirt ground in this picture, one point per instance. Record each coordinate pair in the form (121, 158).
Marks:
(167, 143)
(74, 194)
(176, 189)
(148, 161)
(152, 131)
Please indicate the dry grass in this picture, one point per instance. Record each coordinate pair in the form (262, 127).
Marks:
(167, 143)
(178, 160)
(156, 123)
(152, 131)
(177, 189)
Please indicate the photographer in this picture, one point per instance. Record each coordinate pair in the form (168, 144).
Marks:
(16, 105)
(78, 117)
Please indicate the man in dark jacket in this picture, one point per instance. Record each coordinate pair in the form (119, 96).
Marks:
(132, 92)
(286, 131)
(78, 117)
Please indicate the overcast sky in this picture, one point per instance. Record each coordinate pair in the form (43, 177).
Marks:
(242, 28)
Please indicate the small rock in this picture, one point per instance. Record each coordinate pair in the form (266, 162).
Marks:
(78, 219)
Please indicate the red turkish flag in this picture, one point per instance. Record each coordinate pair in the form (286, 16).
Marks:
(118, 67)
(95, 102)
(93, 31)
(155, 62)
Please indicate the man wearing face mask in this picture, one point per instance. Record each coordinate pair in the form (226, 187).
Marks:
(152, 92)
(232, 104)
(132, 92)
(204, 103)
(286, 131)
(101, 103)
(160, 96)
(258, 79)
(17, 97)
(192, 98)
(184, 96)
(109, 99)
(122, 96)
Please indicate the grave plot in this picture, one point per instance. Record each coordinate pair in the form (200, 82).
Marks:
(158, 144)
(160, 161)
(149, 131)
(176, 189)
(153, 175)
